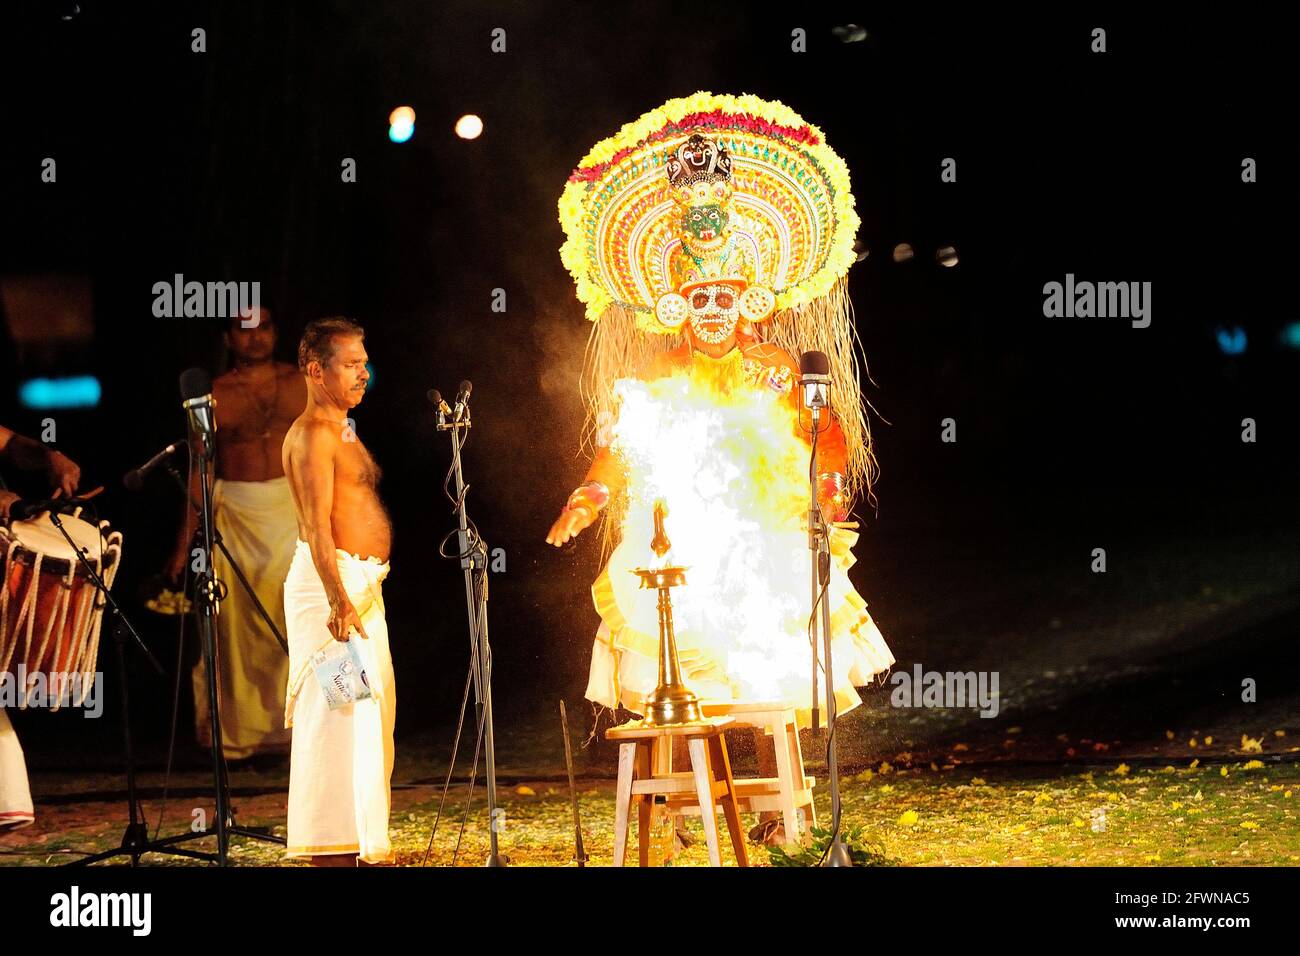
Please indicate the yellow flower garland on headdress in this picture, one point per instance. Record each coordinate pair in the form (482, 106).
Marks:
(791, 194)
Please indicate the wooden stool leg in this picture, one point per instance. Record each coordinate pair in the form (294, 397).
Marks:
(722, 764)
(623, 798)
(796, 755)
(645, 807)
(704, 793)
(785, 774)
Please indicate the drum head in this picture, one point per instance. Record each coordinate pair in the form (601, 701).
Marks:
(39, 535)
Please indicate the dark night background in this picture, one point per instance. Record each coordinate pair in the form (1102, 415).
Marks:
(1072, 434)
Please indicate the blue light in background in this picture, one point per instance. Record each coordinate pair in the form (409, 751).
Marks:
(1291, 335)
(370, 382)
(1231, 341)
(78, 391)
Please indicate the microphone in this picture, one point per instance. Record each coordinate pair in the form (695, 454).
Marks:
(435, 396)
(200, 406)
(815, 378)
(26, 508)
(134, 479)
(462, 400)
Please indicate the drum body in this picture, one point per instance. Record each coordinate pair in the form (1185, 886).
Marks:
(50, 610)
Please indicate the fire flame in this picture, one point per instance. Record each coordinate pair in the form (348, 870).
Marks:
(732, 469)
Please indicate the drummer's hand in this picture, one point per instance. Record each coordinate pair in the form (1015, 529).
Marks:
(570, 522)
(7, 498)
(63, 472)
(344, 617)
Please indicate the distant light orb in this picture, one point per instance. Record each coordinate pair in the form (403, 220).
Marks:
(946, 256)
(1291, 335)
(849, 33)
(76, 391)
(1232, 341)
(903, 252)
(860, 250)
(401, 124)
(469, 126)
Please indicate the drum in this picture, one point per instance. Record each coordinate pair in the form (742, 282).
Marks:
(50, 610)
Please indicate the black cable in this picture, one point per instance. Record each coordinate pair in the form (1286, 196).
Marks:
(474, 545)
(180, 655)
(451, 767)
(823, 534)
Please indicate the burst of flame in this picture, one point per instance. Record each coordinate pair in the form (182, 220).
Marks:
(733, 471)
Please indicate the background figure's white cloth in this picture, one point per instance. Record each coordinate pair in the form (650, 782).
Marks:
(15, 797)
(341, 760)
(258, 524)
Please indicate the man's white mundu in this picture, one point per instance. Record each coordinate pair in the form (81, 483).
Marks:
(342, 760)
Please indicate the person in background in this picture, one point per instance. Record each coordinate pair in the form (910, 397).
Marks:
(25, 454)
(257, 401)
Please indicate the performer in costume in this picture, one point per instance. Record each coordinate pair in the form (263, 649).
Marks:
(709, 241)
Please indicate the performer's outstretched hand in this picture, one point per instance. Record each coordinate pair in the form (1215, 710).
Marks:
(344, 617)
(570, 522)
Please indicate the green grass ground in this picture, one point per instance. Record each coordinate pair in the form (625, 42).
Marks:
(1238, 813)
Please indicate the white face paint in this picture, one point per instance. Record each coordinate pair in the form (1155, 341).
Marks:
(714, 313)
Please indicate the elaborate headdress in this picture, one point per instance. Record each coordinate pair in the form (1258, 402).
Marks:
(709, 189)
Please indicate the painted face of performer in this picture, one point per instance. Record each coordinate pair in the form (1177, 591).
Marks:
(714, 313)
(705, 222)
(255, 344)
(344, 375)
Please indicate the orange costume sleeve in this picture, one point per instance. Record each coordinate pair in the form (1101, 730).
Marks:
(608, 470)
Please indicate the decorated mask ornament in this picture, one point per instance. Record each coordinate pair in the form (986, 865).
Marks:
(714, 312)
(705, 223)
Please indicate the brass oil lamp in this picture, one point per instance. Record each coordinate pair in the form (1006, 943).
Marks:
(672, 701)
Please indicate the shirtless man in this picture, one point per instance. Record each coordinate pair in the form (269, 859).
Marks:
(257, 401)
(341, 759)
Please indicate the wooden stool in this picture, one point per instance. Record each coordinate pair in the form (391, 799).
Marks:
(791, 789)
(640, 754)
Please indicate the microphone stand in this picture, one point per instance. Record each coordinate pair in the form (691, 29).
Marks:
(234, 565)
(208, 599)
(819, 545)
(474, 560)
(135, 841)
